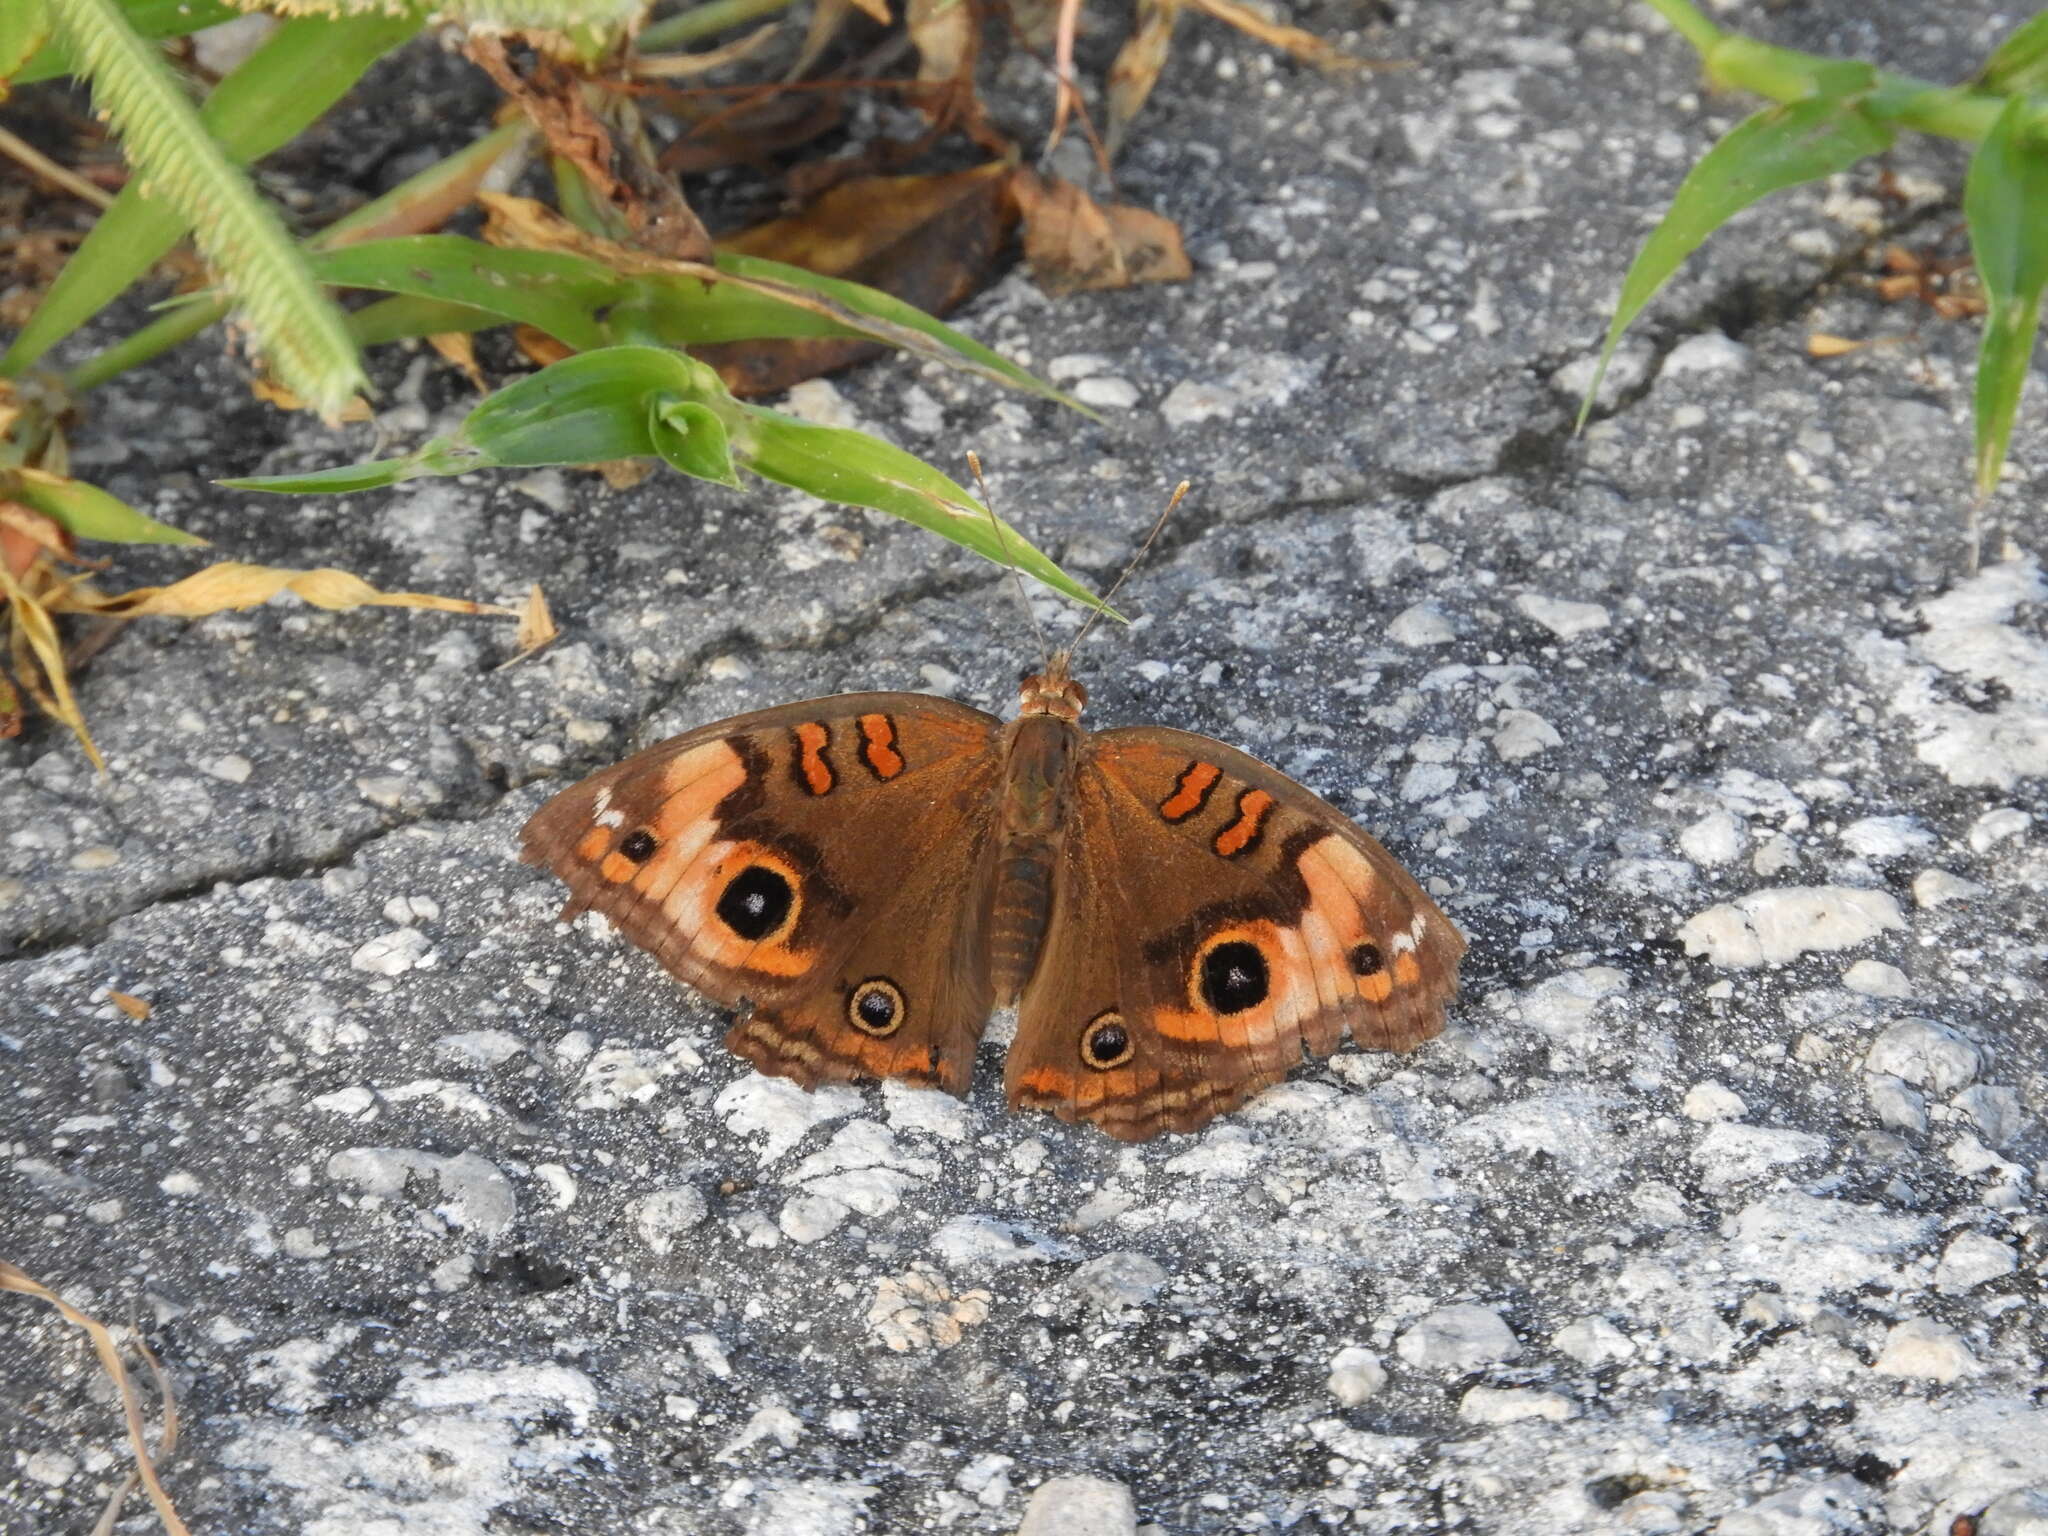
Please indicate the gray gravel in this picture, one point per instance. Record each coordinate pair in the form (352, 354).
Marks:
(1716, 1208)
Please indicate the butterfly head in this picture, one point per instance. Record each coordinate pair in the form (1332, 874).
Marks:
(1054, 691)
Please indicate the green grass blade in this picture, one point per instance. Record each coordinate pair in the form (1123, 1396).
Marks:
(2005, 201)
(402, 316)
(632, 401)
(295, 324)
(25, 28)
(2020, 63)
(838, 464)
(861, 300)
(87, 512)
(299, 71)
(1776, 148)
(558, 293)
(154, 19)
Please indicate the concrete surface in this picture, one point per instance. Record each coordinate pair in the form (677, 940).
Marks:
(1717, 1208)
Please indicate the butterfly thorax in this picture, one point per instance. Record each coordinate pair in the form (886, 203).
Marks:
(1041, 749)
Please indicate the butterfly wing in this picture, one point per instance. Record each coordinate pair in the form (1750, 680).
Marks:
(1213, 920)
(827, 863)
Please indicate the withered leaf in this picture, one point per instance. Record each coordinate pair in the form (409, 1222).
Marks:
(1074, 243)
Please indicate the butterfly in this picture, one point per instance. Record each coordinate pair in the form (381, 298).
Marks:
(869, 876)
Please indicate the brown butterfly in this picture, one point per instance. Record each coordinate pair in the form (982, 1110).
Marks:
(870, 875)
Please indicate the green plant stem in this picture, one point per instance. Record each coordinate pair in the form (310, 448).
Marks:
(1689, 24)
(701, 21)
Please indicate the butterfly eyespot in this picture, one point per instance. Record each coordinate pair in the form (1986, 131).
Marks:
(875, 1007)
(756, 902)
(1106, 1042)
(1233, 977)
(1366, 960)
(639, 846)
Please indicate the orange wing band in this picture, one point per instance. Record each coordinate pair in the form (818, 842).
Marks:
(1190, 791)
(1252, 807)
(811, 768)
(878, 746)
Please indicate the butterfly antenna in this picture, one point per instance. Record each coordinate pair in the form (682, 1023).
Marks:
(988, 505)
(1179, 492)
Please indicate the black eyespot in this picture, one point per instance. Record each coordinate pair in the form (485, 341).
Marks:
(875, 1007)
(1234, 977)
(1106, 1042)
(756, 902)
(1366, 960)
(639, 846)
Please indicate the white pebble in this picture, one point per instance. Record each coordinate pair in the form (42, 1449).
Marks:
(1897, 1107)
(1561, 616)
(808, 1218)
(1776, 926)
(1716, 838)
(1970, 1260)
(53, 1469)
(1926, 1054)
(1886, 837)
(392, 954)
(1355, 1375)
(1593, 1341)
(231, 766)
(1458, 1338)
(1924, 1350)
(1420, 624)
(1711, 1101)
(1510, 1405)
(1937, 888)
(1522, 733)
(1873, 978)
(1994, 827)
(1080, 1506)
(1191, 402)
(1110, 394)
(666, 1214)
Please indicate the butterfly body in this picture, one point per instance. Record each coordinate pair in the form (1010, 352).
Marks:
(871, 875)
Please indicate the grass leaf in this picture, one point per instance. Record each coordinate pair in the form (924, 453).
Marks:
(2020, 63)
(1779, 147)
(87, 512)
(2005, 202)
(297, 73)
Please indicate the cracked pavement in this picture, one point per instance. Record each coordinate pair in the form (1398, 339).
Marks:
(1716, 1208)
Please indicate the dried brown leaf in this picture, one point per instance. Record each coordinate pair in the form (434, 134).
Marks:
(129, 1004)
(459, 348)
(1821, 344)
(26, 534)
(15, 1279)
(231, 585)
(944, 34)
(36, 655)
(270, 392)
(536, 626)
(1305, 46)
(1137, 66)
(1074, 243)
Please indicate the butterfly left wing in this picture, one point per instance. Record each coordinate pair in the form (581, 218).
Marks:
(827, 864)
(1212, 921)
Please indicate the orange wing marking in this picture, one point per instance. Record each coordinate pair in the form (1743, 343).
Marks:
(1190, 791)
(1242, 833)
(812, 771)
(878, 747)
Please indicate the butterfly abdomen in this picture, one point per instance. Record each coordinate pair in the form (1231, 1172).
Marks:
(1038, 771)
(1023, 910)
